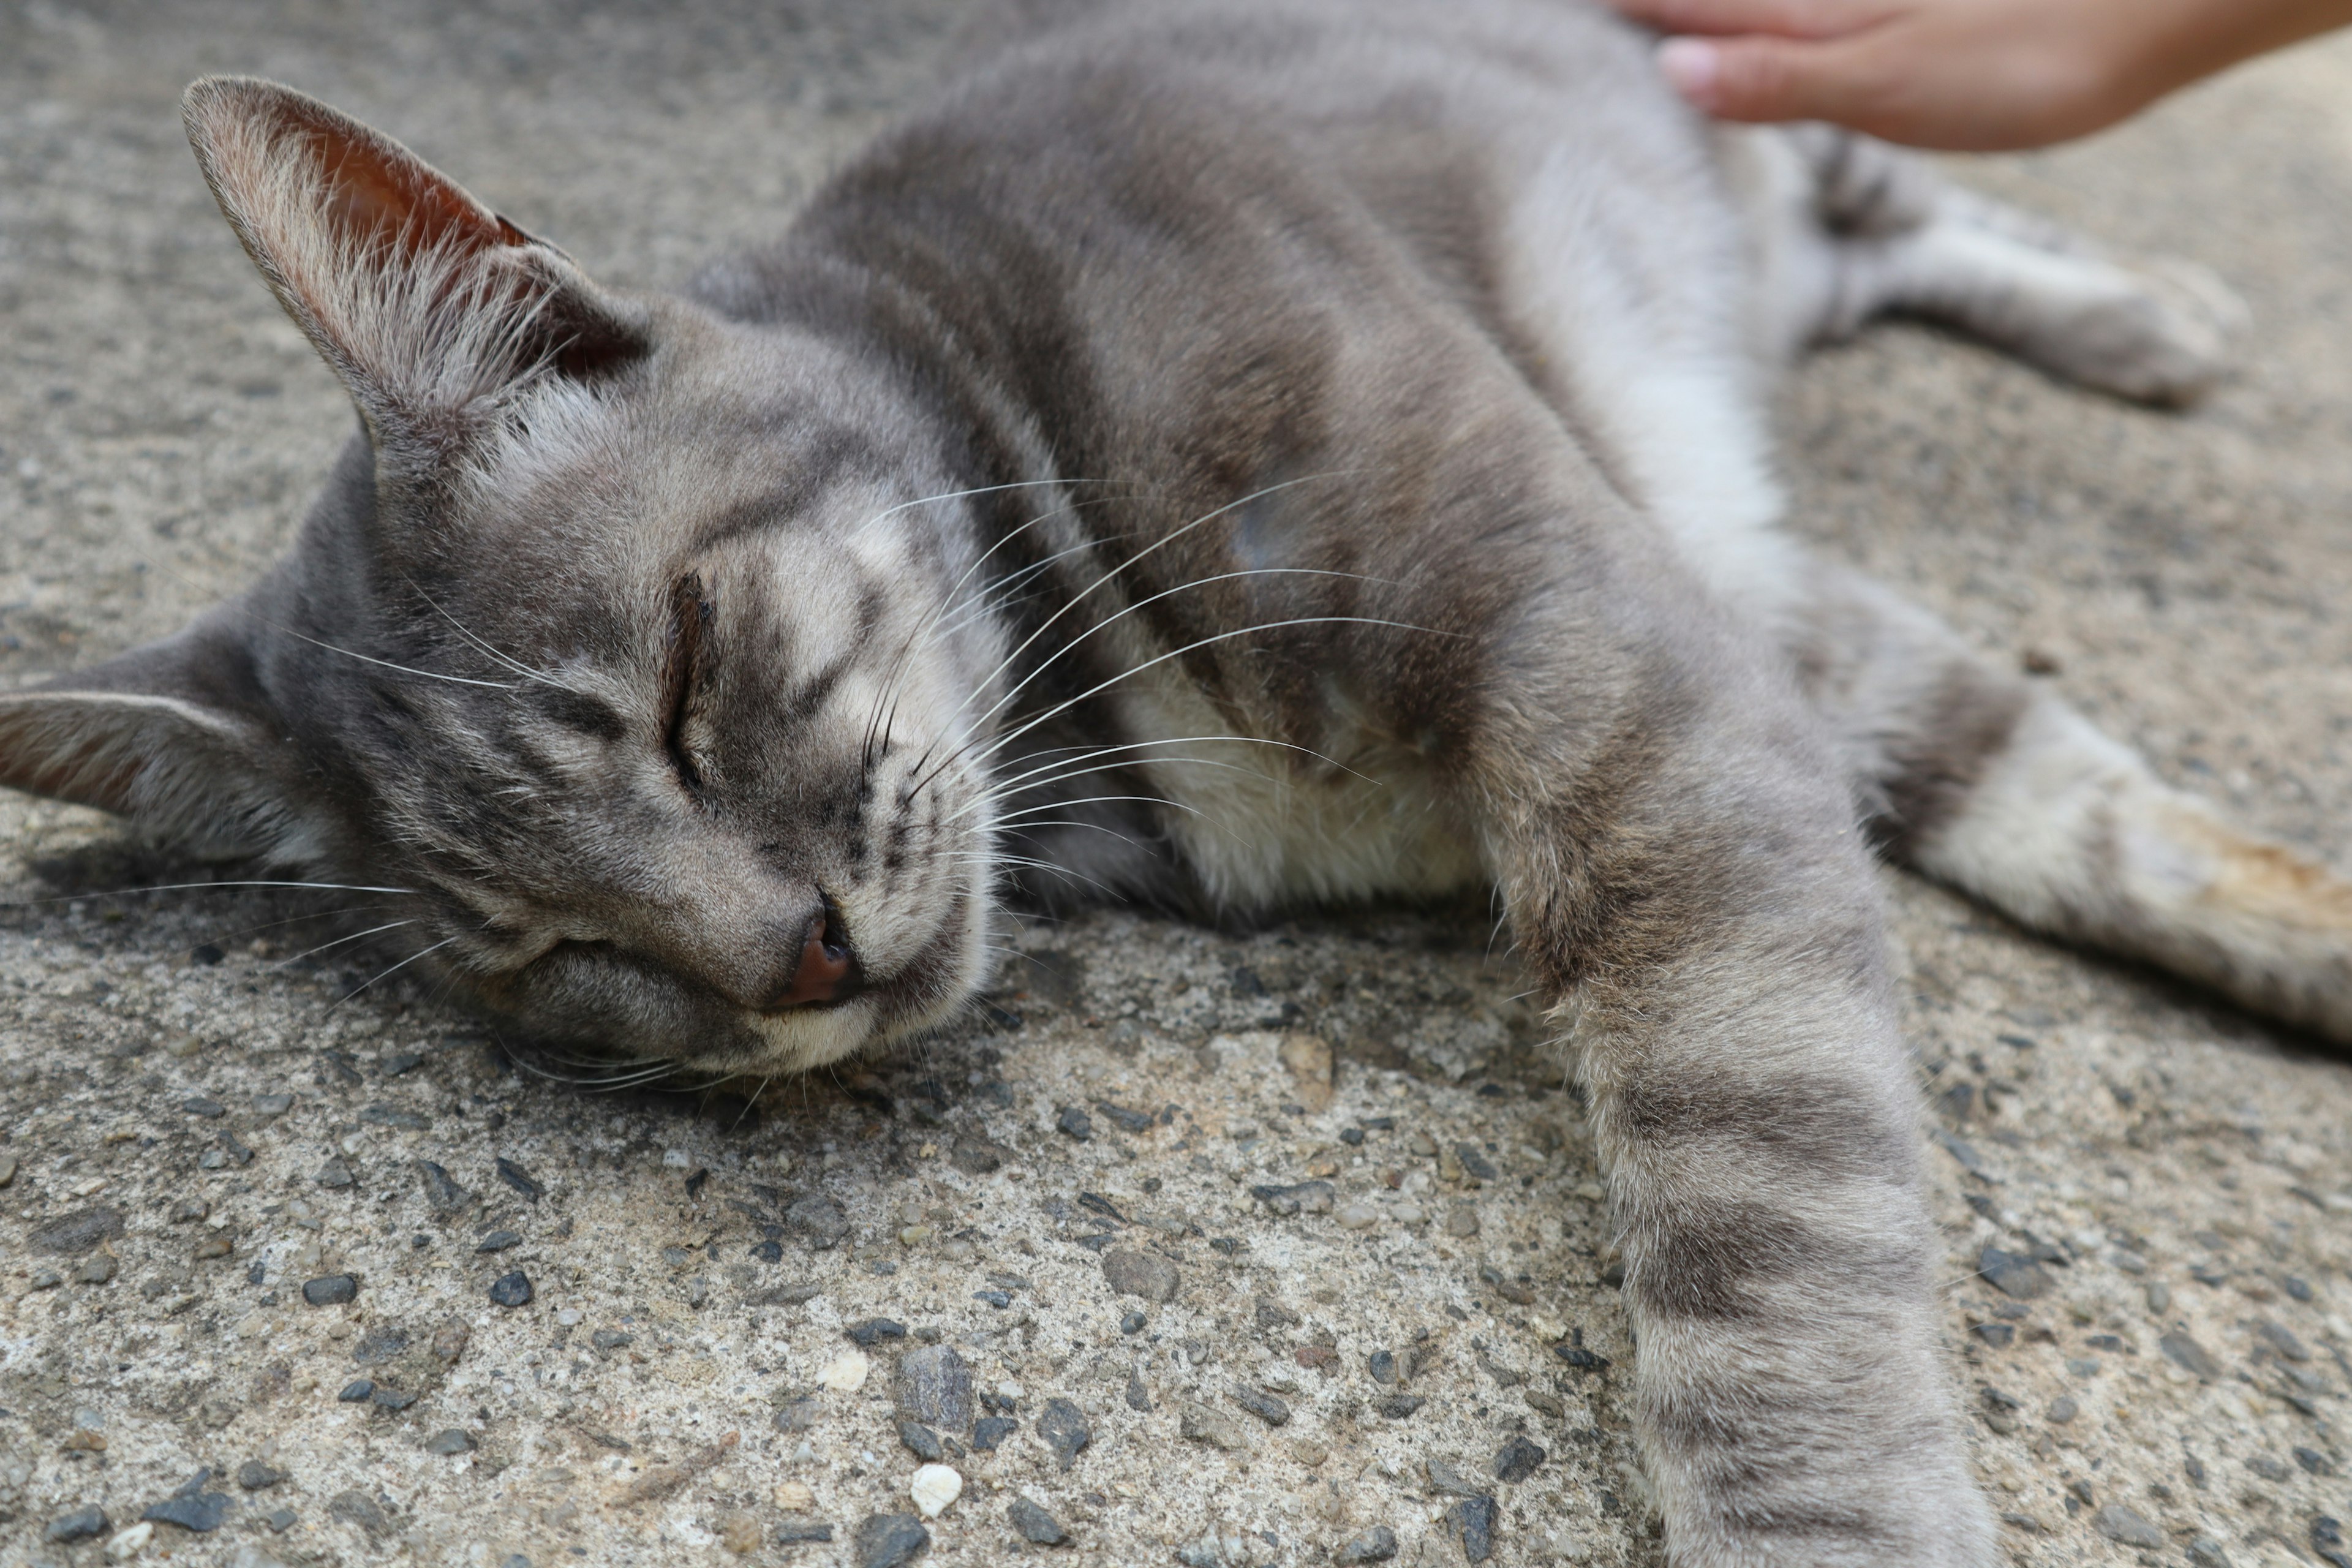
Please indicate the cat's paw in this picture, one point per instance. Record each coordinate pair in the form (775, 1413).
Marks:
(2162, 332)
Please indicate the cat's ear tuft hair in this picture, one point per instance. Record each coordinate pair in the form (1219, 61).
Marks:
(173, 735)
(425, 301)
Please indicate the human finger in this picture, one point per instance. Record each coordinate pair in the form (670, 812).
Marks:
(1784, 18)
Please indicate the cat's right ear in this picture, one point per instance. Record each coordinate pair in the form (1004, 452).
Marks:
(431, 308)
(174, 735)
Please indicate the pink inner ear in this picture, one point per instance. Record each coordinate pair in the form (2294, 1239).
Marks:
(383, 194)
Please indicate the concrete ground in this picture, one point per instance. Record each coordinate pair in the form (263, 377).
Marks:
(194, 1123)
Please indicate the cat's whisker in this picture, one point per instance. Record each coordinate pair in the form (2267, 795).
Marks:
(988, 798)
(395, 969)
(355, 936)
(540, 677)
(196, 886)
(1138, 558)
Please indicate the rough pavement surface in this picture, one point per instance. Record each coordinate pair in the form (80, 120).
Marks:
(563, 1327)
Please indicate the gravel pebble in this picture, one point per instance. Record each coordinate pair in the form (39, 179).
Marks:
(511, 1289)
(1377, 1545)
(1033, 1523)
(1472, 1522)
(1262, 1404)
(799, 1534)
(2021, 1277)
(1215, 1428)
(81, 1524)
(991, 1430)
(357, 1391)
(330, 1290)
(1519, 1459)
(1063, 1426)
(1144, 1274)
(1397, 1406)
(2119, 1523)
(498, 1241)
(933, 1487)
(192, 1508)
(520, 1180)
(933, 1387)
(2189, 1354)
(818, 1220)
(1075, 1123)
(254, 1476)
(921, 1441)
(888, 1540)
(451, 1440)
(868, 1332)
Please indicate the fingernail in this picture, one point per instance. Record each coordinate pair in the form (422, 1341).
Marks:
(1693, 66)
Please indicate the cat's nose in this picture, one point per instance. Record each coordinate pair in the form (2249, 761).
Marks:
(827, 971)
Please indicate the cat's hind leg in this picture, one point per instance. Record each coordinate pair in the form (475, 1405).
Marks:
(1988, 782)
(1855, 228)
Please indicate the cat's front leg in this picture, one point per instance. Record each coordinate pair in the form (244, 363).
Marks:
(1697, 897)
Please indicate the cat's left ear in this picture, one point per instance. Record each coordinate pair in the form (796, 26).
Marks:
(176, 735)
(428, 303)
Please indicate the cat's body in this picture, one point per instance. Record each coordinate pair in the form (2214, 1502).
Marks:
(1225, 456)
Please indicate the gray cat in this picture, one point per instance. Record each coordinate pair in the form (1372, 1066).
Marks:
(1221, 456)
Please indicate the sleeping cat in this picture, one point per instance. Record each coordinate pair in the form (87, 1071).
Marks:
(1221, 456)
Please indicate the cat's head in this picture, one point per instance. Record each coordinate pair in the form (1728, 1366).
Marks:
(617, 647)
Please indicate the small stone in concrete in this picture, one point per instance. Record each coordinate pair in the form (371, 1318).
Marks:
(81, 1524)
(254, 1476)
(512, 1290)
(450, 1441)
(1131, 1322)
(611, 1339)
(391, 1398)
(188, 1211)
(1471, 1522)
(934, 1385)
(1033, 1523)
(1377, 1545)
(976, 1156)
(198, 1105)
(1397, 1406)
(1452, 1480)
(922, 1442)
(360, 1509)
(933, 1487)
(517, 1178)
(498, 1241)
(800, 1534)
(1137, 1396)
(1215, 1428)
(2013, 1275)
(75, 1234)
(2064, 1409)
(1263, 1406)
(1462, 1222)
(1144, 1274)
(2119, 1523)
(443, 1195)
(818, 1220)
(330, 1290)
(2190, 1355)
(335, 1173)
(97, 1268)
(192, 1508)
(1517, 1460)
(2283, 1340)
(739, 1533)
(1303, 1197)
(868, 1331)
(1063, 1426)
(2206, 1552)
(359, 1391)
(991, 1430)
(888, 1540)
(1075, 1123)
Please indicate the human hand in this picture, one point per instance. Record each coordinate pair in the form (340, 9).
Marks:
(1962, 75)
